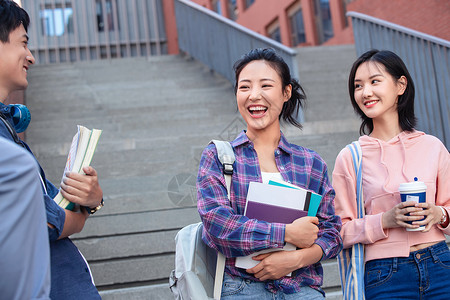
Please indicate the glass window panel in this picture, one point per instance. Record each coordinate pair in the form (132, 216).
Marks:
(248, 3)
(297, 28)
(327, 25)
(232, 9)
(57, 21)
(275, 34)
(216, 6)
(104, 19)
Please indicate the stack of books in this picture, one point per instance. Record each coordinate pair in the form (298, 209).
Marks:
(277, 202)
(80, 155)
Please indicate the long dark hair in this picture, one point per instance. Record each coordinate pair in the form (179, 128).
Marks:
(11, 17)
(395, 66)
(291, 107)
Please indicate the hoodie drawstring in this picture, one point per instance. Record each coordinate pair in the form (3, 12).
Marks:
(386, 181)
(404, 160)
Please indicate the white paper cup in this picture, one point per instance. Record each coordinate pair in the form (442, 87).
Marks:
(413, 191)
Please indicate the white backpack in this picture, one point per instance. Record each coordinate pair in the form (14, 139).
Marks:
(199, 269)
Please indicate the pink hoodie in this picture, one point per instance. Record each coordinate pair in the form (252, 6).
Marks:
(386, 165)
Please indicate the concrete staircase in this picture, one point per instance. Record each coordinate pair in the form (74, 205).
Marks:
(157, 115)
(330, 121)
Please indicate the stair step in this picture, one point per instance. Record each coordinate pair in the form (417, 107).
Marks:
(157, 116)
(149, 292)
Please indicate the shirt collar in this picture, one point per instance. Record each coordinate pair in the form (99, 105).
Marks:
(284, 144)
(242, 139)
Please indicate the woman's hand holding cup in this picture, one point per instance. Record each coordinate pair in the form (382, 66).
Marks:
(399, 216)
(430, 213)
(414, 192)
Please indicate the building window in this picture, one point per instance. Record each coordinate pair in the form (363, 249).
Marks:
(216, 6)
(323, 20)
(273, 31)
(298, 35)
(232, 10)
(248, 3)
(105, 17)
(56, 19)
(345, 2)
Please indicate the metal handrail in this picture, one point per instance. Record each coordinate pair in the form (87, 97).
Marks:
(282, 49)
(230, 23)
(397, 27)
(218, 42)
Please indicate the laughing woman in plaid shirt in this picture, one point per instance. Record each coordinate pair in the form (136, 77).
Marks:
(266, 94)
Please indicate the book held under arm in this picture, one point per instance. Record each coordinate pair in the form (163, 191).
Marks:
(312, 200)
(80, 155)
(277, 202)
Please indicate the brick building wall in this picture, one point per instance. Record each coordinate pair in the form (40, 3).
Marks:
(264, 15)
(431, 16)
(427, 16)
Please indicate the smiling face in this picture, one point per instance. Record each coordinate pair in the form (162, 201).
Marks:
(376, 91)
(260, 97)
(15, 59)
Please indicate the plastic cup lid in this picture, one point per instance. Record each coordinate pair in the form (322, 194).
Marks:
(412, 186)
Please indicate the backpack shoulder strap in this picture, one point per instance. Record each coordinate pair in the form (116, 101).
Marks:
(226, 156)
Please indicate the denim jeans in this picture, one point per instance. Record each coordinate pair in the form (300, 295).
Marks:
(240, 288)
(425, 274)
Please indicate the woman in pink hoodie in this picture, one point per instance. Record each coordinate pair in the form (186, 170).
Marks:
(398, 263)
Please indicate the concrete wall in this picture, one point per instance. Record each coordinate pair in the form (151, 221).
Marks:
(121, 29)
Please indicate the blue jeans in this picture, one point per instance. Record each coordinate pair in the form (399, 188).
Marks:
(425, 274)
(244, 289)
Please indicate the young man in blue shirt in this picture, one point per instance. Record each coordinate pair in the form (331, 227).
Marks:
(24, 247)
(70, 274)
